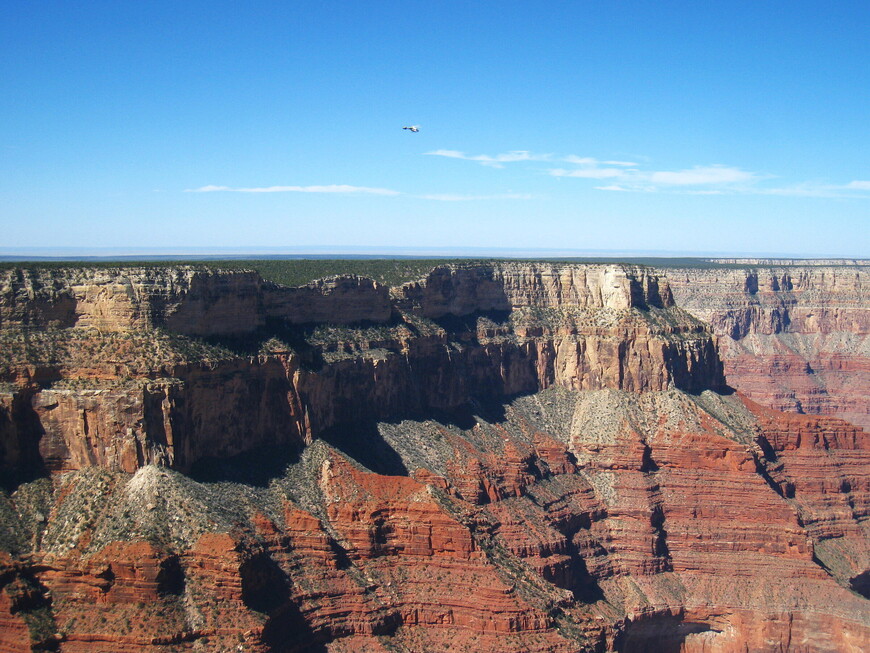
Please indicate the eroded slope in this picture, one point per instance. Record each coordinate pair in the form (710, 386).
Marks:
(561, 521)
(527, 457)
(795, 338)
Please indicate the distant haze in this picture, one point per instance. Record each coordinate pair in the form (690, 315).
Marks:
(201, 253)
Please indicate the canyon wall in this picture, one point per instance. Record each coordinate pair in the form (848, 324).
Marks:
(459, 333)
(185, 299)
(796, 338)
(499, 457)
(560, 521)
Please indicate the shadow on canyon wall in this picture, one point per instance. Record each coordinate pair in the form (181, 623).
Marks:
(661, 633)
(360, 440)
(257, 467)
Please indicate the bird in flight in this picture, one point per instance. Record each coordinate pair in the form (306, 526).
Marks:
(413, 128)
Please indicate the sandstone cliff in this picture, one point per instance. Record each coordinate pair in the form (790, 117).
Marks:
(505, 457)
(119, 382)
(561, 521)
(795, 338)
(184, 299)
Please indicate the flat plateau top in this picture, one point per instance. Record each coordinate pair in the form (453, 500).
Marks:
(393, 271)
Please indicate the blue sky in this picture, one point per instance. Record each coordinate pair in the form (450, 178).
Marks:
(734, 127)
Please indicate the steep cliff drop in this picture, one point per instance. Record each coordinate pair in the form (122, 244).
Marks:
(503, 457)
(793, 337)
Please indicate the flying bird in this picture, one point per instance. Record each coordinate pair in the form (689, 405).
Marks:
(413, 128)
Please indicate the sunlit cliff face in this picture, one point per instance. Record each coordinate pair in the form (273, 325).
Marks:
(506, 457)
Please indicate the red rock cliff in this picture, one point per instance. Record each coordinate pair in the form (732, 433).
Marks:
(511, 457)
(561, 521)
(791, 337)
(497, 331)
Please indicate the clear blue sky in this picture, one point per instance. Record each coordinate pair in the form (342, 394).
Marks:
(596, 125)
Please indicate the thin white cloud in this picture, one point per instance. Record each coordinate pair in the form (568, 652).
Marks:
(629, 176)
(808, 190)
(331, 188)
(713, 179)
(207, 189)
(337, 188)
(798, 191)
(697, 176)
(580, 160)
(592, 168)
(494, 160)
(590, 161)
(450, 154)
(589, 173)
(514, 156)
(702, 175)
(614, 187)
(857, 189)
(447, 197)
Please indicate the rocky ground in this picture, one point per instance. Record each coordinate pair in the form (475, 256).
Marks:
(509, 458)
(796, 338)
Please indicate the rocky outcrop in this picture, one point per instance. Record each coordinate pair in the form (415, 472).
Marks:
(795, 338)
(337, 300)
(497, 331)
(510, 457)
(819, 463)
(120, 299)
(561, 521)
(182, 299)
(508, 286)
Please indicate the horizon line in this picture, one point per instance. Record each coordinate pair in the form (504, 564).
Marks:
(73, 253)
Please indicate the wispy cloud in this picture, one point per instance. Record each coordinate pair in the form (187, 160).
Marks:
(804, 190)
(628, 174)
(631, 176)
(854, 189)
(633, 179)
(340, 188)
(447, 197)
(808, 190)
(207, 189)
(588, 173)
(591, 168)
(614, 187)
(591, 161)
(579, 160)
(701, 175)
(706, 180)
(514, 156)
(331, 188)
(494, 160)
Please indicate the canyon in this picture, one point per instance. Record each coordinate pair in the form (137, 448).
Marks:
(500, 456)
(795, 338)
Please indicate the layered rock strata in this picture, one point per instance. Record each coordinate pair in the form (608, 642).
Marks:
(561, 521)
(795, 338)
(134, 398)
(183, 299)
(511, 457)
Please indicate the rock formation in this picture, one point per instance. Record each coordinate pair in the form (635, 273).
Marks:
(502, 457)
(159, 402)
(796, 338)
